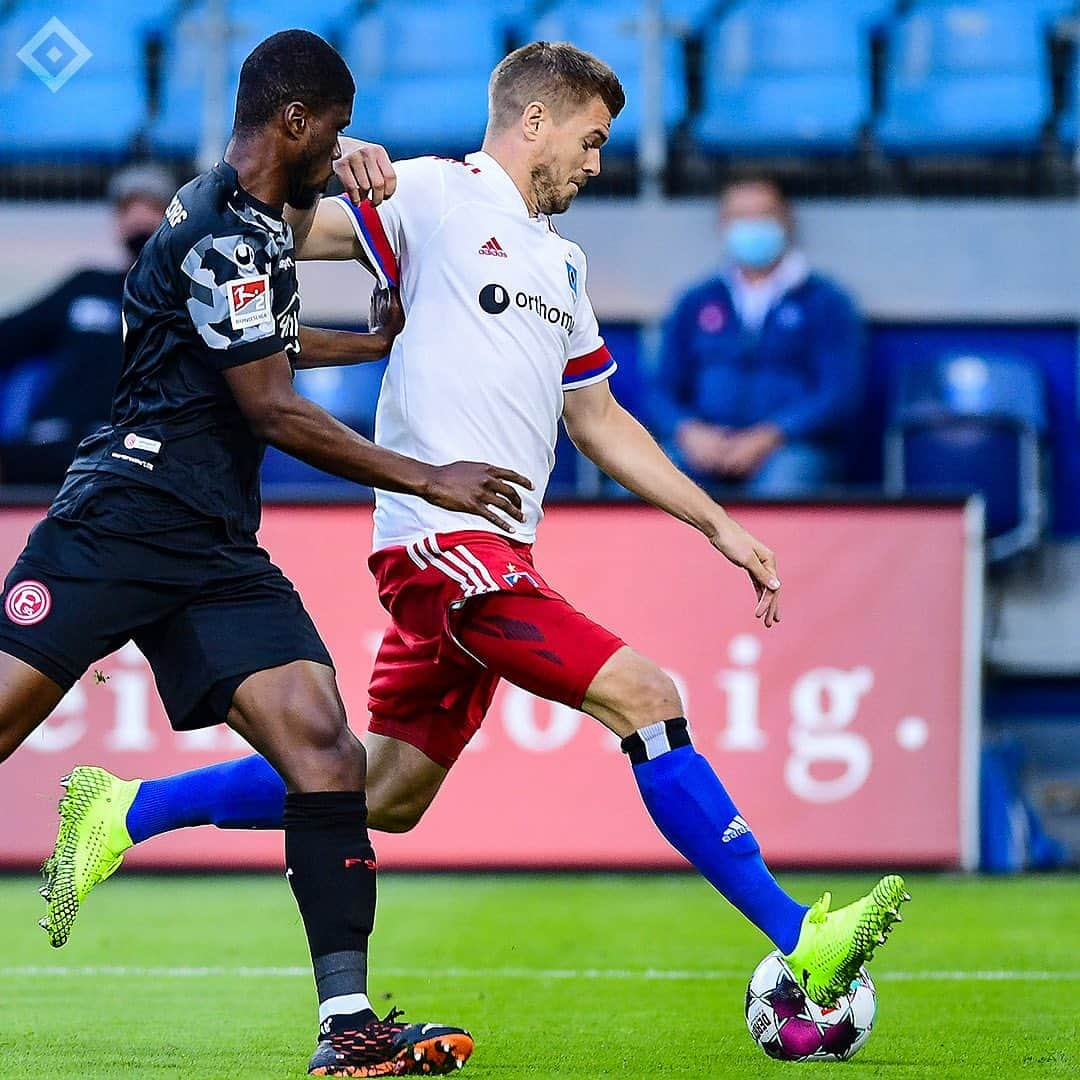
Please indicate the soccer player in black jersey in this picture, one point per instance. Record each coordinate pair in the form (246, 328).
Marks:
(152, 536)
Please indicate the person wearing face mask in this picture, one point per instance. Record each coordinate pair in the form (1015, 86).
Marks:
(760, 366)
(76, 329)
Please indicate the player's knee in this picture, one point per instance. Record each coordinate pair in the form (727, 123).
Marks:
(326, 755)
(328, 763)
(646, 695)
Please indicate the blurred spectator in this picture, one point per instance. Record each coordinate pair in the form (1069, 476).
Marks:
(75, 331)
(761, 366)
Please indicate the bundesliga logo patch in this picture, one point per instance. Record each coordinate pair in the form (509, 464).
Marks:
(28, 603)
(249, 301)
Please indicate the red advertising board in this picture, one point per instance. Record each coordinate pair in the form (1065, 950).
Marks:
(846, 734)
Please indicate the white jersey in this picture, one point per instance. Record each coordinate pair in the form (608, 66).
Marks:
(497, 326)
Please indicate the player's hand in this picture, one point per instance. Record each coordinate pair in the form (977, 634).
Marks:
(479, 489)
(742, 549)
(387, 317)
(365, 171)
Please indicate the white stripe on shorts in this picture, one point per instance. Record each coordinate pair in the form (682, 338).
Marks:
(465, 553)
(466, 587)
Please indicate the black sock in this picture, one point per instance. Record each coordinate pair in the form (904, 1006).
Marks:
(331, 868)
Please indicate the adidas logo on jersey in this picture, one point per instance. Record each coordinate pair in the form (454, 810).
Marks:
(736, 827)
(493, 247)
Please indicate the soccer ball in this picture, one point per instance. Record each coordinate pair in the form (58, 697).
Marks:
(788, 1026)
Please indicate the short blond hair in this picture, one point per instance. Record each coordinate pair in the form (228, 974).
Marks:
(558, 74)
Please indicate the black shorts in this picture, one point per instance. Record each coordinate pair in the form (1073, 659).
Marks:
(132, 563)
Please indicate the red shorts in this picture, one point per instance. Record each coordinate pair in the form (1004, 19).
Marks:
(481, 590)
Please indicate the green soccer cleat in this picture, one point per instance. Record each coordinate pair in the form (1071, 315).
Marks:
(90, 844)
(833, 945)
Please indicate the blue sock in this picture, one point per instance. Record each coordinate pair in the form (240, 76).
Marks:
(685, 798)
(243, 794)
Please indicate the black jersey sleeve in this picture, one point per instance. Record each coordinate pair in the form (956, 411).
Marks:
(238, 298)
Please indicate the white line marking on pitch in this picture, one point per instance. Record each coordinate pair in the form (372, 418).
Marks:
(510, 973)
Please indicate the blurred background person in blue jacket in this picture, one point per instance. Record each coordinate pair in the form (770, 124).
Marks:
(760, 368)
(74, 333)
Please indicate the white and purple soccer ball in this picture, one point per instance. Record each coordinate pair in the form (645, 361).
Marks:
(788, 1026)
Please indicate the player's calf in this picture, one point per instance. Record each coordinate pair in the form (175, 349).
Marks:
(293, 714)
(683, 794)
(402, 781)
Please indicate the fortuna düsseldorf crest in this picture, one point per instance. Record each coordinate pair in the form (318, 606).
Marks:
(27, 603)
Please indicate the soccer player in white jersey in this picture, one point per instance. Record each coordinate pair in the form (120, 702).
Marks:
(500, 341)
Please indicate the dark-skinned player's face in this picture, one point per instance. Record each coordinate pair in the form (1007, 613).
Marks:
(317, 149)
(569, 154)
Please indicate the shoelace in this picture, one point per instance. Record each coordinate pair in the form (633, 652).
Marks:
(374, 1038)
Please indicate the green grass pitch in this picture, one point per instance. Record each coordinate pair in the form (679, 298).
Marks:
(560, 976)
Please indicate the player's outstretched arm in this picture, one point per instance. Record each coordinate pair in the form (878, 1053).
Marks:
(337, 348)
(323, 232)
(609, 436)
(283, 418)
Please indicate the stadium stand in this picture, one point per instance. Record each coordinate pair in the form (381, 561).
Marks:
(1069, 124)
(102, 120)
(422, 70)
(794, 76)
(612, 32)
(974, 423)
(828, 83)
(968, 77)
(176, 127)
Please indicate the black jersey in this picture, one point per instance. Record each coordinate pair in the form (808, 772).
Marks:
(214, 287)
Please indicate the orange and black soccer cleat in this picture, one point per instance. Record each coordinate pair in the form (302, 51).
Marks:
(353, 1046)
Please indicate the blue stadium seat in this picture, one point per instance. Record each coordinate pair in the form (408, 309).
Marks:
(100, 109)
(1045, 9)
(350, 393)
(284, 477)
(967, 77)
(177, 127)
(788, 75)
(1069, 124)
(417, 115)
(422, 70)
(685, 14)
(1069, 128)
(973, 423)
(20, 389)
(608, 30)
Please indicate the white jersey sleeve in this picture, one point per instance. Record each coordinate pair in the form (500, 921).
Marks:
(589, 362)
(398, 228)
